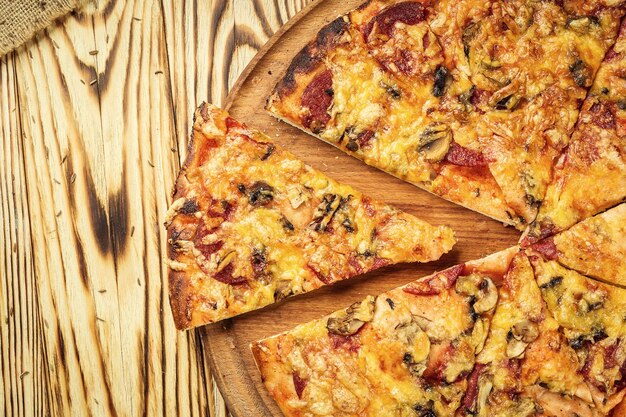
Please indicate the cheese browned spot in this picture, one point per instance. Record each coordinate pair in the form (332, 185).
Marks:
(251, 225)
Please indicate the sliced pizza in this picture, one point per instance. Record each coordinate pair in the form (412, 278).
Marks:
(592, 316)
(527, 367)
(590, 176)
(406, 352)
(251, 224)
(595, 247)
(470, 100)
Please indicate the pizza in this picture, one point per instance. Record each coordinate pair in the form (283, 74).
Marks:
(251, 224)
(590, 176)
(406, 352)
(473, 101)
(595, 247)
(513, 334)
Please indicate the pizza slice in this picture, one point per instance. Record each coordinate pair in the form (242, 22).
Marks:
(527, 367)
(251, 224)
(472, 101)
(595, 247)
(406, 352)
(590, 175)
(529, 65)
(592, 316)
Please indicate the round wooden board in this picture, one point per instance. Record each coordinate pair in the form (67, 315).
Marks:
(227, 343)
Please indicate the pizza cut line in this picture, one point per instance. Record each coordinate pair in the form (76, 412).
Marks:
(513, 334)
(473, 101)
(251, 225)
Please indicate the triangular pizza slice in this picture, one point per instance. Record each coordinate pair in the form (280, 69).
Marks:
(590, 175)
(595, 247)
(406, 352)
(251, 224)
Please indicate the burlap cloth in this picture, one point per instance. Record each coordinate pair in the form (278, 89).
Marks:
(21, 19)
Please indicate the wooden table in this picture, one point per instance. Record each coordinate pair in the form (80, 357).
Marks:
(95, 116)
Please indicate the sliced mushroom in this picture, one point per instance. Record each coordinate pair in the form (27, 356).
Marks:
(479, 334)
(515, 348)
(416, 367)
(581, 73)
(481, 288)
(325, 212)
(349, 322)
(441, 78)
(526, 331)
(582, 24)
(469, 33)
(226, 260)
(519, 337)
(484, 389)
(283, 290)
(435, 141)
(487, 297)
(507, 97)
(468, 284)
(590, 301)
(466, 98)
(260, 194)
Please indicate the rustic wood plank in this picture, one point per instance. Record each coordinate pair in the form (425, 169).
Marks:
(95, 117)
(24, 381)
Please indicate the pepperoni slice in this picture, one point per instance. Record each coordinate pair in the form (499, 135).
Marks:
(435, 285)
(317, 97)
(462, 156)
(206, 249)
(350, 343)
(226, 276)
(547, 248)
(472, 387)
(602, 116)
(299, 384)
(409, 13)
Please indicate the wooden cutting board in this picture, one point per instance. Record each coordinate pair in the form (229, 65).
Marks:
(228, 342)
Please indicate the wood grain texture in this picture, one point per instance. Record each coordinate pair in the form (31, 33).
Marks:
(95, 119)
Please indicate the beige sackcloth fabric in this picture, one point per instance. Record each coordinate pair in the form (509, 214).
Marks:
(21, 19)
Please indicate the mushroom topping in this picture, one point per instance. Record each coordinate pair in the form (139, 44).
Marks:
(226, 260)
(487, 297)
(283, 290)
(466, 98)
(326, 210)
(484, 389)
(435, 141)
(260, 194)
(348, 322)
(441, 76)
(581, 73)
(520, 335)
(393, 90)
(591, 301)
(470, 32)
(526, 331)
(479, 335)
(582, 24)
(506, 98)
(481, 288)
